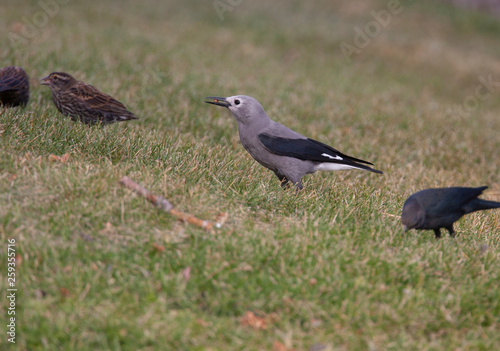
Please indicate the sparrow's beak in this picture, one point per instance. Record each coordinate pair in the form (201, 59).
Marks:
(405, 228)
(45, 81)
(219, 101)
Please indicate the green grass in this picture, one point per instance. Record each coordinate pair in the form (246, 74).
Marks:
(329, 266)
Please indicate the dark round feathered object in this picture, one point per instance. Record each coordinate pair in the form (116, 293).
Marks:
(14, 86)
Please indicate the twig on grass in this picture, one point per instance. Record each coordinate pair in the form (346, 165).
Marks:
(166, 206)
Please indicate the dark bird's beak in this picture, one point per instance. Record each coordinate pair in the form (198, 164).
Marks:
(405, 228)
(45, 81)
(219, 101)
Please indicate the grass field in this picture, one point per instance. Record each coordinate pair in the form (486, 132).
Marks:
(99, 268)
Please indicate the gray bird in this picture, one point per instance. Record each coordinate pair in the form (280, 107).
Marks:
(441, 207)
(285, 152)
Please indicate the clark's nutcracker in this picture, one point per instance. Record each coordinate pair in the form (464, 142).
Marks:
(441, 207)
(285, 152)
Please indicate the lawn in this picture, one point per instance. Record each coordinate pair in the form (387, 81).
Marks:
(329, 268)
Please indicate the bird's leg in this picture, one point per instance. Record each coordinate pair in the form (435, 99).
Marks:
(298, 187)
(284, 181)
(451, 231)
(437, 233)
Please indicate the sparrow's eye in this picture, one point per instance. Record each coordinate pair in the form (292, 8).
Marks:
(236, 102)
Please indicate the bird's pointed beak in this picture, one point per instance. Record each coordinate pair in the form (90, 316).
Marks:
(219, 101)
(405, 228)
(45, 81)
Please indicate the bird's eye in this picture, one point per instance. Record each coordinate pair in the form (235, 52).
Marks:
(236, 102)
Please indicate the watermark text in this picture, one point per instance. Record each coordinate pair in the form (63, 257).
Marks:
(32, 25)
(372, 29)
(11, 290)
(223, 6)
(484, 89)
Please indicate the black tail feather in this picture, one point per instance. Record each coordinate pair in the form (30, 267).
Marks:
(480, 204)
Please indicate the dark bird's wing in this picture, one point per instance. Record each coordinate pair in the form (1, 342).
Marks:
(446, 200)
(98, 102)
(311, 150)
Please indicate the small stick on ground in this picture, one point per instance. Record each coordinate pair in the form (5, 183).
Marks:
(164, 204)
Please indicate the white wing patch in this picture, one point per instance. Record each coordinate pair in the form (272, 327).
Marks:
(326, 166)
(332, 157)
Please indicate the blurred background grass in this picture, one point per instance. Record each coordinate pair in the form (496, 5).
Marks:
(99, 268)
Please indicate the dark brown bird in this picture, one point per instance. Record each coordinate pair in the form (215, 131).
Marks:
(83, 102)
(441, 207)
(14, 86)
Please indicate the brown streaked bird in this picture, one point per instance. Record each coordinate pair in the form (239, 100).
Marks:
(14, 86)
(82, 102)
